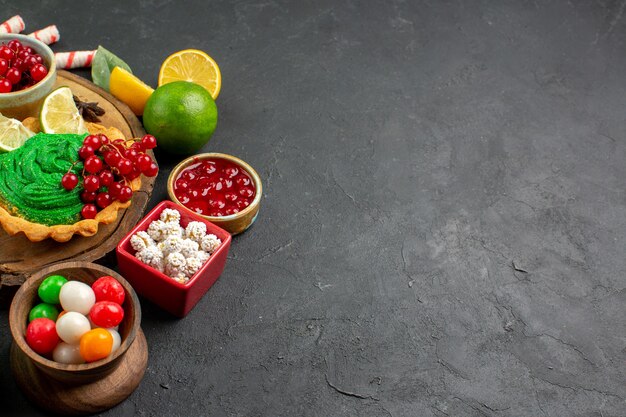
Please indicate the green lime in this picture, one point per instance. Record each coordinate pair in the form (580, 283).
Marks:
(50, 288)
(182, 116)
(43, 310)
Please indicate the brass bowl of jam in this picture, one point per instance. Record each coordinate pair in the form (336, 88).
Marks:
(219, 187)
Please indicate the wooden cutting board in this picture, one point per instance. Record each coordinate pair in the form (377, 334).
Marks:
(19, 257)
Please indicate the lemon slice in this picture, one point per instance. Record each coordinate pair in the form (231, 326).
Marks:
(130, 89)
(194, 66)
(13, 134)
(59, 113)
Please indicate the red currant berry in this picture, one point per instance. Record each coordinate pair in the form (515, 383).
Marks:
(125, 194)
(91, 183)
(152, 171)
(39, 58)
(85, 152)
(89, 211)
(93, 164)
(18, 64)
(133, 174)
(69, 181)
(125, 166)
(103, 200)
(137, 146)
(112, 158)
(31, 61)
(5, 86)
(28, 49)
(38, 72)
(4, 66)
(149, 142)
(106, 178)
(6, 53)
(13, 75)
(144, 162)
(103, 139)
(114, 189)
(131, 154)
(23, 54)
(88, 196)
(93, 141)
(15, 45)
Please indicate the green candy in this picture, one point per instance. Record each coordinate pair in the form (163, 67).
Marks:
(50, 288)
(43, 310)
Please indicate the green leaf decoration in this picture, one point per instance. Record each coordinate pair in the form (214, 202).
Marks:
(103, 63)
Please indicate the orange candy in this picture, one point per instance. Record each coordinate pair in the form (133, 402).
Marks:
(96, 344)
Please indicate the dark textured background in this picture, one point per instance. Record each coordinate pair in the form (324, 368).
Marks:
(411, 152)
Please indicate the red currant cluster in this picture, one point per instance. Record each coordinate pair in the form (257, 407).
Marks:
(20, 67)
(108, 168)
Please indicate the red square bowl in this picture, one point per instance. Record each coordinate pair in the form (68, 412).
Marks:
(157, 287)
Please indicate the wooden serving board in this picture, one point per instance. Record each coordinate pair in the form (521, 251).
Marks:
(20, 257)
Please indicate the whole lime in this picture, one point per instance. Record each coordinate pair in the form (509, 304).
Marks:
(182, 116)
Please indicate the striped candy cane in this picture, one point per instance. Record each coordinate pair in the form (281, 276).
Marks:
(13, 25)
(74, 59)
(47, 35)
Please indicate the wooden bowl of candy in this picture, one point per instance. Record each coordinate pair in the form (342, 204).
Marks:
(29, 73)
(221, 188)
(77, 343)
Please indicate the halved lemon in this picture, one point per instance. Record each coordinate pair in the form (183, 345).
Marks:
(13, 134)
(194, 66)
(59, 113)
(130, 89)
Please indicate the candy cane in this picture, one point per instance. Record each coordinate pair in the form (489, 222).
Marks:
(13, 25)
(74, 59)
(47, 35)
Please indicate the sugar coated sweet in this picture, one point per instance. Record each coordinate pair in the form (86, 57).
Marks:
(178, 252)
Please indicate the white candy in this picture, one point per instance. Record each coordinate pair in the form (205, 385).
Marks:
(177, 252)
(173, 229)
(156, 230)
(210, 243)
(141, 240)
(151, 256)
(175, 261)
(170, 245)
(66, 353)
(117, 339)
(170, 215)
(181, 278)
(77, 296)
(195, 231)
(189, 248)
(202, 256)
(72, 325)
(192, 266)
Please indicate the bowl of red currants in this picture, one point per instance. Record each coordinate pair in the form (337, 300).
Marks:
(27, 74)
(221, 188)
(74, 322)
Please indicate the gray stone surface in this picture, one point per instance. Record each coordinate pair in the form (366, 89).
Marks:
(444, 219)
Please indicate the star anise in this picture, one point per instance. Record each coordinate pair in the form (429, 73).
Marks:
(89, 110)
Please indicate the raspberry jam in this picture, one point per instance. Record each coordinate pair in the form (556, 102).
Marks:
(215, 187)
